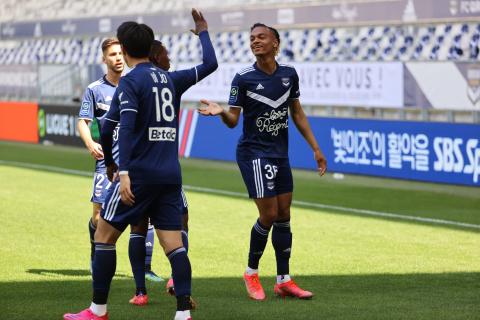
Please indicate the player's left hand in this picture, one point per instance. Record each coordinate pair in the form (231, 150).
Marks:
(200, 22)
(125, 192)
(321, 162)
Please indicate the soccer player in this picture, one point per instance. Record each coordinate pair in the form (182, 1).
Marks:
(149, 170)
(183, 80)
(266, 91)
(96, 103)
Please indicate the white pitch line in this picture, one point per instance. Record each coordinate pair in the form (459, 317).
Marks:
(345, 209)
(242, 195)
(48, 168)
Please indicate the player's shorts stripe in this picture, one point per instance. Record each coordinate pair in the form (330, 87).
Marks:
(108, 214)
(109, 203)
(112, 200)
(260, 175)
(196, 75)
(255, 176)
(184, 198)
(115, 194)
(117, 201)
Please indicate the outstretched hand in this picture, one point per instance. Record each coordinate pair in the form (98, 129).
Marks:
(200, 22)
(211, 108)
(321, 162)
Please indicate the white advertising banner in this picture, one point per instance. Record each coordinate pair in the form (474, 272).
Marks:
(321, 83)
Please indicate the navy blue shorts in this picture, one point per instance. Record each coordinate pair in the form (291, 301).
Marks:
(101, 184)
(266, 177)
(163, 204)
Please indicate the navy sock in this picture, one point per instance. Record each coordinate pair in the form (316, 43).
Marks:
(91, 230)
(282, 243)
(103, 270)
(181, 271)
(258, 241)
(185, 239)
(149, 241)
(136, 253)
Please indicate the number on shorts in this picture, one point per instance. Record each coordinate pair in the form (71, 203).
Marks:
(271, 171)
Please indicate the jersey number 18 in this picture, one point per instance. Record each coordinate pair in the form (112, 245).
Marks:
(167, 103)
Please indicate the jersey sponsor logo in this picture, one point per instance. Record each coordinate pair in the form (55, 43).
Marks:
(233, 94)
(286, 82)
(162, 134)
(273, 121)
(85, 108)
(259, 87)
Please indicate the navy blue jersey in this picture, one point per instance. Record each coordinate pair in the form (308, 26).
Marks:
(265, 100)
(184, 79)
(95, 104)
(148, 126)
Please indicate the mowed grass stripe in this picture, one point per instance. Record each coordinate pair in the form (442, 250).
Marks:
(295, 202)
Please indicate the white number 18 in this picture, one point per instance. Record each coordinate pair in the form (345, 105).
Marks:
(167, 102)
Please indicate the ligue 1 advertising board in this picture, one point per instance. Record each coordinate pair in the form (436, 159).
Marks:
(57, 124)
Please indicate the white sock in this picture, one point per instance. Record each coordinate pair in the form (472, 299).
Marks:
(182, 315)
(283, 278)
(251, 271)
(98, 309)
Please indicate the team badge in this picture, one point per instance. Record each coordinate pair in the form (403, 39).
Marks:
(270, 185)
(286, 82)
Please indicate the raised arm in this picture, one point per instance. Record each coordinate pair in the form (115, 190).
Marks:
(301, 122)
(209, 60)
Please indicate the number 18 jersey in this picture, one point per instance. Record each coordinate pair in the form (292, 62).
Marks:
(148, 92)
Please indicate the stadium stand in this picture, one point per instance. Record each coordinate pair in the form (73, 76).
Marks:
(29, 10)
(376, 43)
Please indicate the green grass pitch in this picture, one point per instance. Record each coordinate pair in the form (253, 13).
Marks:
(359, 267)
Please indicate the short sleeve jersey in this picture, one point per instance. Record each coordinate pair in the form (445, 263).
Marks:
(265, 100)
(95, 104)
(149, 92)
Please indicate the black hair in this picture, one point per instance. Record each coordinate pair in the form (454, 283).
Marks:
(274, 31)
(155, 49)
(136, 39)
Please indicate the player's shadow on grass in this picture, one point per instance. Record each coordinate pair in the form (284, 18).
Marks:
(69, 272)
(376, 296)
